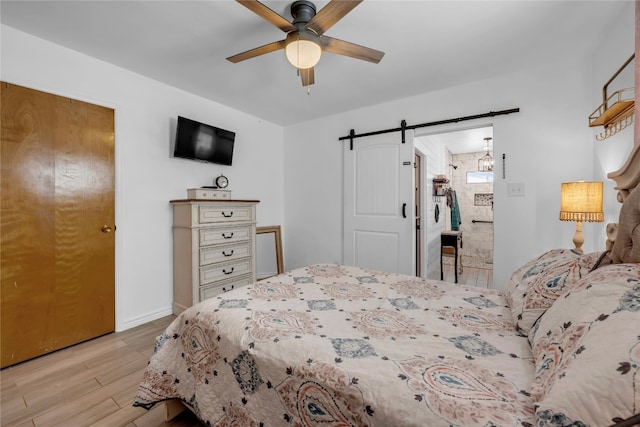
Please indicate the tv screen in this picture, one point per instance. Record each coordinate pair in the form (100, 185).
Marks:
(203, 142)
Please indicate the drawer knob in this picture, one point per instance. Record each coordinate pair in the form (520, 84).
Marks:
(227, 236)
(224, 214)
(228, 272)
(227, 290)
(227, 254)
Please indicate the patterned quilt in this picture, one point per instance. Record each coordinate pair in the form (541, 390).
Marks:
(330, 345)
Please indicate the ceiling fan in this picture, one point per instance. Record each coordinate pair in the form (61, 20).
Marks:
(305, 41)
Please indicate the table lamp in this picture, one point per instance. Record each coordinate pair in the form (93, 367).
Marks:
(581, 201)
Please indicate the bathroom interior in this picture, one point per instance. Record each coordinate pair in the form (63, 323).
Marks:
(468, 156)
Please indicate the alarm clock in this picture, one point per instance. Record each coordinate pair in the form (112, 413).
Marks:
(221, 182)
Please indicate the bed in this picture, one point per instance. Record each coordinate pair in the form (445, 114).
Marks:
(334, 345)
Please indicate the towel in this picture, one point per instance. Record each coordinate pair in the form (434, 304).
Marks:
(449, 195)
(455, 214)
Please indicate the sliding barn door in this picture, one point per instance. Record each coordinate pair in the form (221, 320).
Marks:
(57, 222)
(378, 203)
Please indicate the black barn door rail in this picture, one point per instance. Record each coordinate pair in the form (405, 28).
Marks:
(403, 125)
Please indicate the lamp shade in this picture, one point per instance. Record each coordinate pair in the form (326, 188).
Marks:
(303, 49)
(581, 201)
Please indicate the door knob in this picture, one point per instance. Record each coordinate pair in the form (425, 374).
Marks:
(106, 229)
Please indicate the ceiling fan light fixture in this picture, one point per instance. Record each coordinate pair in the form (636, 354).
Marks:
(303, 49)
(305, 39)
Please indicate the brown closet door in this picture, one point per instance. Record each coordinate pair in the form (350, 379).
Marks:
(57, 204)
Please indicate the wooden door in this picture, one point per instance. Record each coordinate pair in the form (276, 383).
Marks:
(57, 256)
(378, 204)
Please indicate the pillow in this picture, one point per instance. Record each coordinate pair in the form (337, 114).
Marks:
(626, 247)
(586, 349)
(533, 287)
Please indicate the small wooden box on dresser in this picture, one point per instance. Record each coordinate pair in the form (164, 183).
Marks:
(213, 248)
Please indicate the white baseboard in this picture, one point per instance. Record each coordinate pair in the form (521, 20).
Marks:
(132, 323)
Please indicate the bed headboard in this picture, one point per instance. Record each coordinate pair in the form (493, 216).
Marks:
(628, 176)
(623, 238)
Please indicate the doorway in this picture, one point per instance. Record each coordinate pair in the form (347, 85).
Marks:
(455, 154)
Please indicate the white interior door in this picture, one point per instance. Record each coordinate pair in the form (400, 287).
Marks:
(378, 203)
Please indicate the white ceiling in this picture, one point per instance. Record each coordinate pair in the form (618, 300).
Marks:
(429, 45)
(463, 141)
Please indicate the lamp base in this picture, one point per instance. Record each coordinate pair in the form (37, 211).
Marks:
(578, 238)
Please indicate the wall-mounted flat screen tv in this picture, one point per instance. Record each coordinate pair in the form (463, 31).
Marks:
(203, 142)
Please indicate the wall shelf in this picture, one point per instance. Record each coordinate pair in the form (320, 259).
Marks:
(616, 111)
(440, 186)
(613, 109)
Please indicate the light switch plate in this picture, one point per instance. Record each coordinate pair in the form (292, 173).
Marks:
(515, 189)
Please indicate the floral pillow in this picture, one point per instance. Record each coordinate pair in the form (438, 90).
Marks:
(533, 287)
(586, 349)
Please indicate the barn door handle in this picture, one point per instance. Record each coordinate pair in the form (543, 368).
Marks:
(404, 210)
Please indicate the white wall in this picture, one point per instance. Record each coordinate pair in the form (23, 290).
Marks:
(147, 177)
(546, 143)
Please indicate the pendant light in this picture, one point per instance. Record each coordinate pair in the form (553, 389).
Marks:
(485, 163)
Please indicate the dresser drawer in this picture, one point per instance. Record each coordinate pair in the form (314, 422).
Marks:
(213, 254)
(216, 236)
(209, 291)
(215, 272)
(211, 214)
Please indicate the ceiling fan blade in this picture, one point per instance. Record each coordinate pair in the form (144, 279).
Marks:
(267, 48)
(334, 11)
(264, 12)
(341, 47)
(307, 77)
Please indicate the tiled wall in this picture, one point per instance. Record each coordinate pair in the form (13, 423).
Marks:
(475, 201)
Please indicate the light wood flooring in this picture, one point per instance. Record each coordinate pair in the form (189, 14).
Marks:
(90, 384)
(479, 277)
(94, 383)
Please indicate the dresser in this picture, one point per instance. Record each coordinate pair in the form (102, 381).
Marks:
(213, 248)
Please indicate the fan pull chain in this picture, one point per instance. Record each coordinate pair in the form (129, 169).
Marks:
(308, 72)
(298, 67)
